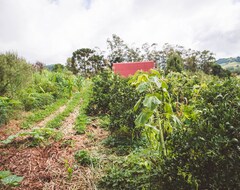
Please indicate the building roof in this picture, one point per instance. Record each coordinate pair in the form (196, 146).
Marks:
(129, 68)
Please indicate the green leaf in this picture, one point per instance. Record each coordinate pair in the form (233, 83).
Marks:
(12, 180)
(142, 87)
(156, 81)
(143, 117)
(168, 108)
(164, 85)
(4, 174)
(151, 102)
(135, 108)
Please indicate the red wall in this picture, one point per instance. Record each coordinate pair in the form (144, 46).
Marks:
(126, 69)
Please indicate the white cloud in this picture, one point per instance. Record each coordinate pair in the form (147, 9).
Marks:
(50, 30)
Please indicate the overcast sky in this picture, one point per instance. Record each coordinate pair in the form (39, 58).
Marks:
(50, 30)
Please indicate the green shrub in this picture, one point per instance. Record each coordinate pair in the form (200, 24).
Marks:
(203, 153)
(114, 95)
(15, 74)
(7, 109)
(101, 95)
(36, 100)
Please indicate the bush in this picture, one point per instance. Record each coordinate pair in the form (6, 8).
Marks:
(15, 74)
(36, 100)
(203, 154)
(7, 109)
(122, 116)
(101, 95)
(113, 95)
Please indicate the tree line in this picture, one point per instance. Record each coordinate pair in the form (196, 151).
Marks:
(176, 58)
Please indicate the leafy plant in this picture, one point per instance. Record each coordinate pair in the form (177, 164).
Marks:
(8, 179)
(7, 109)
(83, 157)
(38, 135)
(157, 115)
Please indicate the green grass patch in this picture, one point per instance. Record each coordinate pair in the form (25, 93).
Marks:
(41, 114)
(57, 121)
(82, 119)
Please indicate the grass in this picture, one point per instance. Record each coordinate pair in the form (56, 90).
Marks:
(82, 119)
(41, 114)
(57, 121)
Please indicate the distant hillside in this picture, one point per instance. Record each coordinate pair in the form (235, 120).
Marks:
(232, 64)
(228, 60)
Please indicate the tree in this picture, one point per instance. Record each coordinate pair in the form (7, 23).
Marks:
(58, 67)
(206, 59)
(119, 51)
(15, 73)
(174, 63)
(86, 61)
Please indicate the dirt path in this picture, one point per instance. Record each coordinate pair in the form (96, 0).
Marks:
(68, 124)
(50, 117)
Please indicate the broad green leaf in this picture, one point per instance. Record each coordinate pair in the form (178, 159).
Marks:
(164, 85)
(151, 102)
(135, 108)
(4, 174)
(12, 180)
(142, 87)
(143, 117)
(156, 81)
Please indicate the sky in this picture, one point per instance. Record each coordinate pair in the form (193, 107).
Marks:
(50, 30)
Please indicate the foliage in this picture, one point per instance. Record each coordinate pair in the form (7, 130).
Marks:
(36, 100)
(47, 87)
(83, 157)
(86, 61)
(8, 179)
(7, 109)
(174, 63)
(122, 116)
(37, 135)
(202, 154)
(99, 101)
(113, 95)
(156, 115)
(15, 74)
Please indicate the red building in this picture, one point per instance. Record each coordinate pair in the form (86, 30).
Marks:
(130, 68)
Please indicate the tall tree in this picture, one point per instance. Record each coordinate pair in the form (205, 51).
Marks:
(86, 61)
